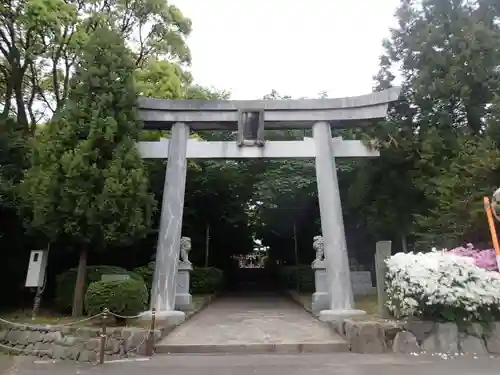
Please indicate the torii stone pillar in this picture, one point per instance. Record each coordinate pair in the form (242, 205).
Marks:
(169, 237)
(332, 227)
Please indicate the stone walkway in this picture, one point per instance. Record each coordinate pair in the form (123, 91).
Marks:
(252, 324)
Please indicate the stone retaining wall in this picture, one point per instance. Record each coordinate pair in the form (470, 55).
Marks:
(79, 344)
(82, 343)
(419, 337)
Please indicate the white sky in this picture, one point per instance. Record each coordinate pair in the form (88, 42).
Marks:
(298, 48)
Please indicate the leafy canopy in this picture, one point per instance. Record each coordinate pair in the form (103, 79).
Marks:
(87, 181)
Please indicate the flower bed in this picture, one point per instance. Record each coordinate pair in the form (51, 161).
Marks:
(442, 286)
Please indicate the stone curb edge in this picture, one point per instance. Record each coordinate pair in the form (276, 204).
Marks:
(296, 298)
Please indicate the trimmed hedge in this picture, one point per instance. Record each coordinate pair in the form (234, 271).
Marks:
(203, 280)
(123, 297)
(146, 272)
(206, 280)
(299, 277)
(65, 282)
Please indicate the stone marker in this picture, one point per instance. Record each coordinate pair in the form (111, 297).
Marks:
(361, 282)
(382, 252)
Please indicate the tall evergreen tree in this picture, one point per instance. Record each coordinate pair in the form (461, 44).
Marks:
(447, 52)
(87, 182)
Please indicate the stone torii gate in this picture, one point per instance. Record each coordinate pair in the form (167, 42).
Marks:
(250, 118)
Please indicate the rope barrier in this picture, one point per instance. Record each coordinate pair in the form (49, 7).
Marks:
(128, 316)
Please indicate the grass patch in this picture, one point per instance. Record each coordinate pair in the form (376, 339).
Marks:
(44, 316)
(367, 303)
(199, 301)
(49, 317)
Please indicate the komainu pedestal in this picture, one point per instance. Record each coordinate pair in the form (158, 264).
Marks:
(320, 296)
(183, 299)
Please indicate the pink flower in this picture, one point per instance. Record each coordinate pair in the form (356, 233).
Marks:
(485, 259)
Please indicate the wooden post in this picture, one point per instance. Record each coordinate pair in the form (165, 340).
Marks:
(36, 303)
(151, 338)
(295, 244)
(493, 231)
(382, 252)
(207, 245)
(103, 336)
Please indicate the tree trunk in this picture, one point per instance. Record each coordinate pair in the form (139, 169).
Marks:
(80, 284)
(404, 243)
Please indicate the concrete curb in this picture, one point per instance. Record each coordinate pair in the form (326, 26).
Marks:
(284, 348)
(207, 301)
(296, 298)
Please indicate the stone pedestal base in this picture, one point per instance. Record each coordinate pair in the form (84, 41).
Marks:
(319, 302)
(183, 299)
(184, 302)
(165, 317)
(320, 299)
(339, 315)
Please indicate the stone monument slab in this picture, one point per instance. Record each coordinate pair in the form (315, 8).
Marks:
(361, 282)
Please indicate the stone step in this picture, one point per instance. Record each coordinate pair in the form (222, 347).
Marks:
(334, 346)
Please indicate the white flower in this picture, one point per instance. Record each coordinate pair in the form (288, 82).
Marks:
(418, 284)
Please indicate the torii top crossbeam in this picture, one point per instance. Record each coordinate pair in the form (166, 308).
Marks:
(276, 114)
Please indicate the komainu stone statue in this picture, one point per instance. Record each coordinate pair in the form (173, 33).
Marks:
(319, 247)
(185, 248)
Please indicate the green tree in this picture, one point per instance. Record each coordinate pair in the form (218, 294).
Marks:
(40, 41)
(455, 195)
(87, 182)
(447, 53)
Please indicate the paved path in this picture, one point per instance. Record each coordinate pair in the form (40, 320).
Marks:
(6, 363)
(262, 323)
(274, 364)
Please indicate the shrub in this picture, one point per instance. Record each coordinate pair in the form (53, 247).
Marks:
(146, 272)
(442, 286)
(300, 277)
(123, 297)
(65, 282)
(482, 258)
(206, 280)
(305, 278)
(203, 280)
(288, 276)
